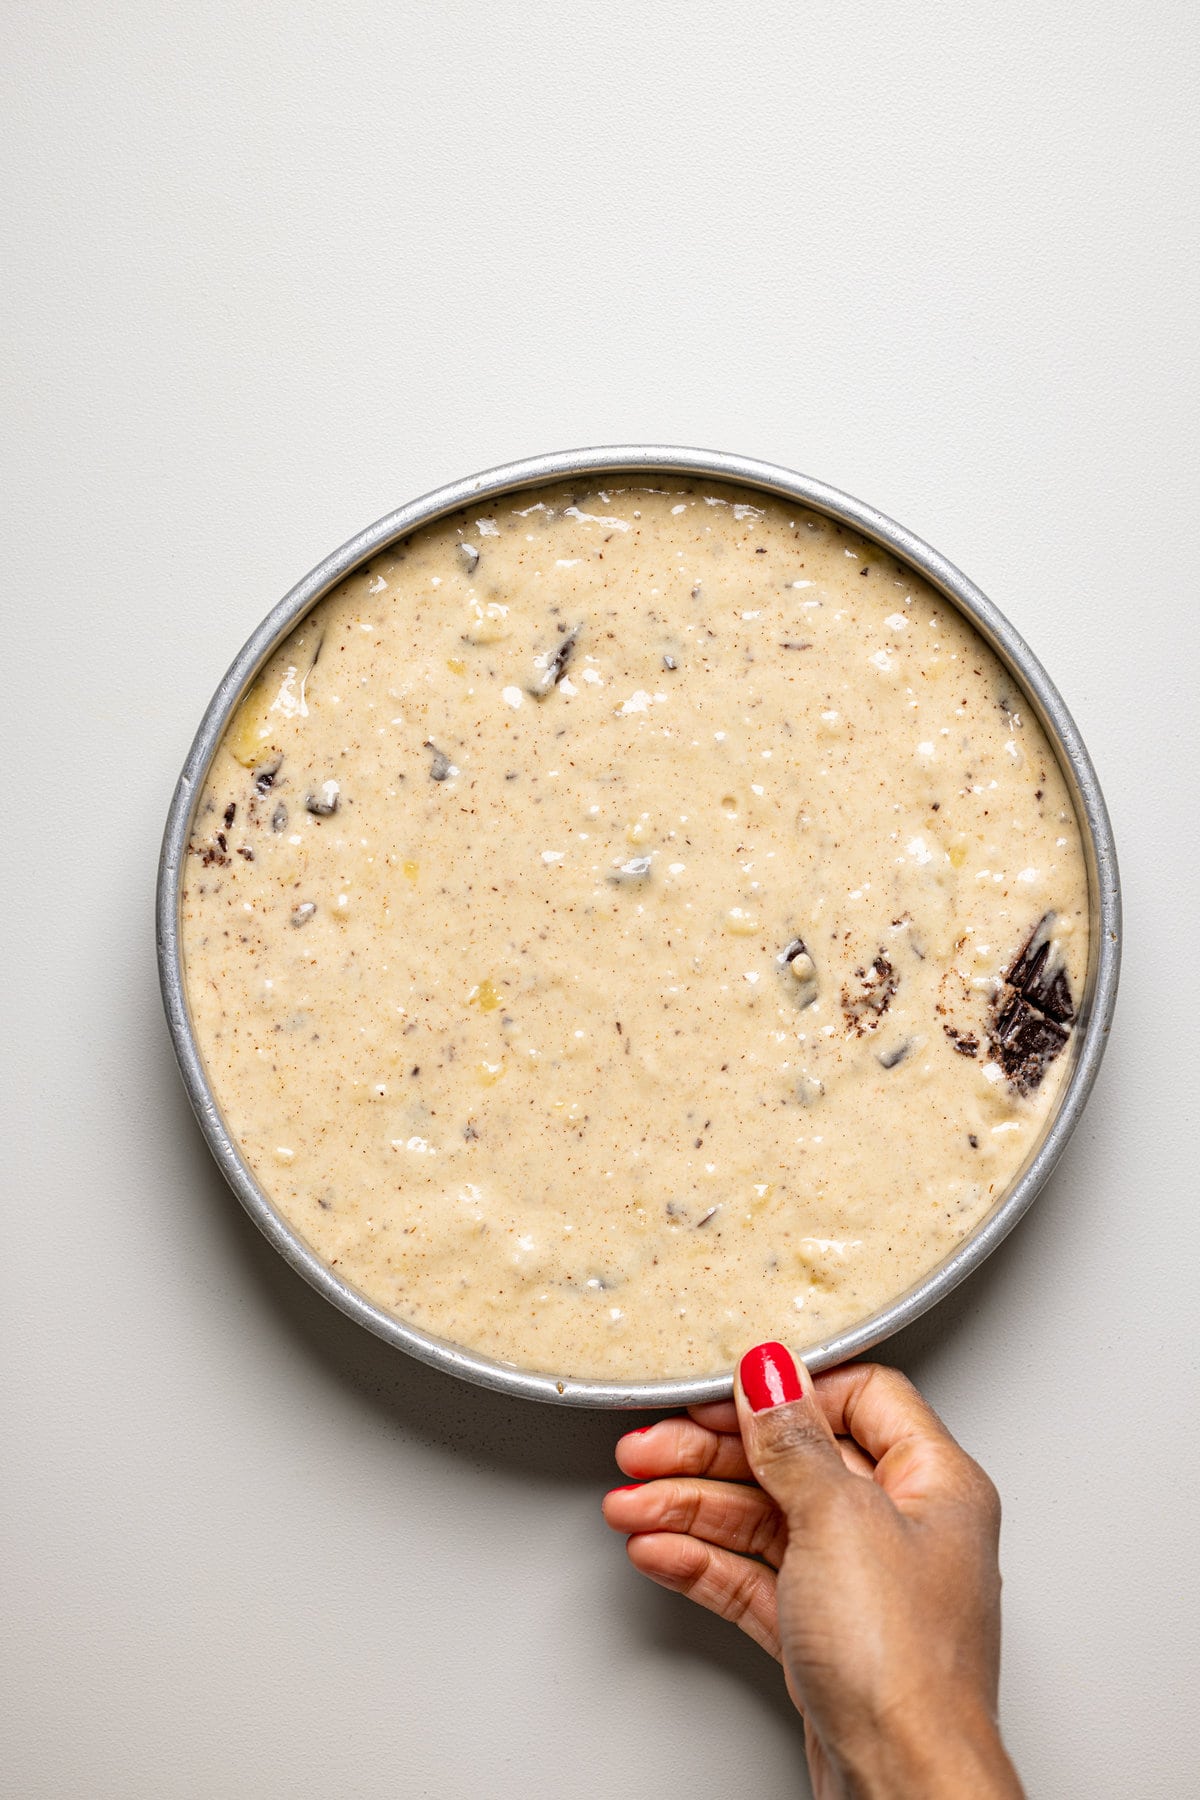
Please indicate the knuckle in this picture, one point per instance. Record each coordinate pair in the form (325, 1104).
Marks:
(882, 1375)
(742, 1594)
(680, 1505)
(768, 1536)
(693, 1448)
(975, 1491)
(984, 1493)
(889, 1384)
(695, 1559)
(786, 1432)
(707, 1453)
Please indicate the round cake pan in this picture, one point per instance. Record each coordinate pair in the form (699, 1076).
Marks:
(618, 463)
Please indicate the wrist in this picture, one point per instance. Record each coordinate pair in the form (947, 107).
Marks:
(924, 1753)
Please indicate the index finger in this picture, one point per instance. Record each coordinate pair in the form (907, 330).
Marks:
(915, 1455)
(716, 1415)
(682, 1446)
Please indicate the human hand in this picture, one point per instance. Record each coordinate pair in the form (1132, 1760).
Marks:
(838, 1523)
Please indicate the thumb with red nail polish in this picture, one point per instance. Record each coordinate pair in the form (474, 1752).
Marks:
(789, 1444)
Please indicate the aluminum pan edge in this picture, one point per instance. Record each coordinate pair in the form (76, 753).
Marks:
(1090, 1036)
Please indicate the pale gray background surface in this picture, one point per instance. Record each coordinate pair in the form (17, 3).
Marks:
(271, 270)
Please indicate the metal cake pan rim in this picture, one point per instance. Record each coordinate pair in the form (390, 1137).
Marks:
(623, 461)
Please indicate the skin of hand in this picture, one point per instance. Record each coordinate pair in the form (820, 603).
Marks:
(836, 1520)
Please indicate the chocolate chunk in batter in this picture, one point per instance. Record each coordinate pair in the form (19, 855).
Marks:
(549, 677)
(1025, 1042)
(1040, 975)
(1032, 1014)
(865, 1006)
(441, 768)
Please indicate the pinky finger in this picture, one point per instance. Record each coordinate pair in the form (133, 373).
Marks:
(734, 1587)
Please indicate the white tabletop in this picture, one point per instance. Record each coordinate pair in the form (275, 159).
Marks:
(272, 270)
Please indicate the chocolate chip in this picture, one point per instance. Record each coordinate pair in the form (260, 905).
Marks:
(889, 1058)
(563, 655)
(279, 818)
(324, 804)
(230, 812)
(441, 768)
(304, 912)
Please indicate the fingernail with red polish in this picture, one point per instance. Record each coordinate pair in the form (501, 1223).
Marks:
(769, 1377)
(640, 1430)
(629, 1488)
